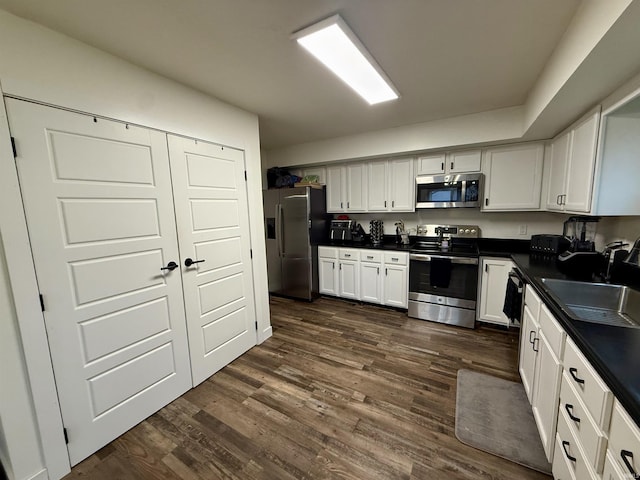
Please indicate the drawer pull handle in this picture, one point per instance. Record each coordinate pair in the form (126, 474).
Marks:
(347, 254)
(531, 335)
(565, 444)
(624, 454)
(395, 259)
(536, 349)
(573, 372)
(370, 257)
(569, 408)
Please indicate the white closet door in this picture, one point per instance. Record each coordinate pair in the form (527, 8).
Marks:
(98, 203)
(213, 228)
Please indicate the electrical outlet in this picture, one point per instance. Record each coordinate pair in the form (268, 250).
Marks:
(522, 230)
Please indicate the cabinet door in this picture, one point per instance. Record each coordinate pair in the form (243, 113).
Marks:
(528, 340)
(377, 186)
(395, 286)
(402, 185)
(612, 470)
(431, 165)
(328, 276)
(513, 177)
(335, 189)
(370, 282)
(546, 394)
(356, 188)
(461, 162)
(349, 280)
(495, 275)
(557, 171)
(582, 159)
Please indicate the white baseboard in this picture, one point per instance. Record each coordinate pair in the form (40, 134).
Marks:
(41, 475)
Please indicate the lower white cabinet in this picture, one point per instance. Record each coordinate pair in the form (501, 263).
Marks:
(624, 446)
(364, 274)
(527, 365)
(493, 285)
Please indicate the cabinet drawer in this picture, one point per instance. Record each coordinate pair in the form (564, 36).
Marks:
(593, 441)
(570, 450)
(349, 254)
(562, 470)
(552, 331)
(532, 300)
(624, 441)
(370, 256)
(589, 386)
(611, 469)
(398, 258)
(327, 252)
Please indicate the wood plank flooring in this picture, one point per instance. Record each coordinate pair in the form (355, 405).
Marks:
(341, 390)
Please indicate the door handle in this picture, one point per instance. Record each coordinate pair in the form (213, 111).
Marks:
(573, 371)
(558, 200)
(624, 454)
(565, 444)
(170, 266)
(569, 408)
(188, 262)
(281, 231)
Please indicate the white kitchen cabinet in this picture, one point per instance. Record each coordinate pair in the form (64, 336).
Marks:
(349, 273)
(546, 393)
(624, 444)
(513, 177)
(328, 270)
(452, 162)
(370, 276)
(336, 190)
(391, 185)
(528, 351)
(493, 285)
(356, 186)
(572, 165)
(396, 279)
(377, 188)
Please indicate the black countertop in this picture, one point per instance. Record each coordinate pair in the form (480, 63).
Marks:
(614, 352)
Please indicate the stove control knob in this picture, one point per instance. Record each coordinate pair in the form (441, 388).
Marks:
(473, 230)
(466, 230)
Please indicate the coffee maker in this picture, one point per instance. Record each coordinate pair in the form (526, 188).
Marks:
(580, 259)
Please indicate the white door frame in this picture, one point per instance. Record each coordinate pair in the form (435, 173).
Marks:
(22, 276)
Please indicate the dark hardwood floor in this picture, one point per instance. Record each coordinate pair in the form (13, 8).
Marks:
(341, 390)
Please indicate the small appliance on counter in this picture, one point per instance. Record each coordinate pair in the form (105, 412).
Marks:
(376, 231)
(342, 230)
(402, 236)
(549, 244)
(580, 259)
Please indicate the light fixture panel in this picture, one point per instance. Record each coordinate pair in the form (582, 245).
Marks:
(336, 46)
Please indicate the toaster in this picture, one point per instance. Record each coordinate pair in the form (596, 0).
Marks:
(551, 244)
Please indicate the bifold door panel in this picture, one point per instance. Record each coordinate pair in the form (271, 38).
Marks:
(99, 204)
(213, 230)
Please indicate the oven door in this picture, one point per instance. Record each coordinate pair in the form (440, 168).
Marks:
(443, 279)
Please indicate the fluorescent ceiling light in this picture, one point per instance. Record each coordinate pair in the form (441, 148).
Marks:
(333, 43)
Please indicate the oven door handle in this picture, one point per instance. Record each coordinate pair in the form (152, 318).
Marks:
(420, 257)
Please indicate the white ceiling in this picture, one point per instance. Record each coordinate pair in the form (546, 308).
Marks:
(446, 57)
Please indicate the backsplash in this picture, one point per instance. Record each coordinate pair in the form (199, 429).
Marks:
(492, 225)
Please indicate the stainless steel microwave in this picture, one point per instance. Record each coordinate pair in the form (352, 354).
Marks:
(448, 191)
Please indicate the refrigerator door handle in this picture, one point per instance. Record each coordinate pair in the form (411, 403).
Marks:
(280, 230)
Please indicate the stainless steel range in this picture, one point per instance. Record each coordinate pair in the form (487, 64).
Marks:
(443, 274)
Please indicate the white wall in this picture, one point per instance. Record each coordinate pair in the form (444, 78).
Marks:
(39, 64)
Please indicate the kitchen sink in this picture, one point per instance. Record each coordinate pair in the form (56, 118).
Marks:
(596, 302)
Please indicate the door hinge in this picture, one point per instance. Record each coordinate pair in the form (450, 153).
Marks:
(13, 147)
(245, 175)
(41, 302)
(66, 436)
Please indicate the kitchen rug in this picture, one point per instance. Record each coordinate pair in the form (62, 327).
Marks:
(494, 415)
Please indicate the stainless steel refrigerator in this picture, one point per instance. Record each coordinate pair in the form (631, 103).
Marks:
(295, 223)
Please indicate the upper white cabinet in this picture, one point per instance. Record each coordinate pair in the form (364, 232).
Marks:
(452, 162)
(513, 177)
(571, 169)
(391, 185)
(347, 188)
(336, 189)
